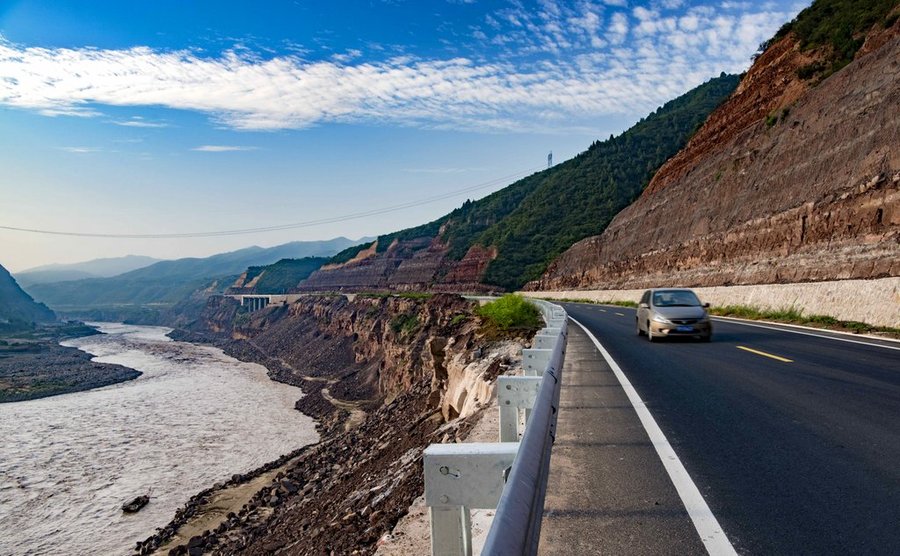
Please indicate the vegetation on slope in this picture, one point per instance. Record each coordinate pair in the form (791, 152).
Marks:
(839, 26)
(285, 274)
(510, 313)
(582, 196)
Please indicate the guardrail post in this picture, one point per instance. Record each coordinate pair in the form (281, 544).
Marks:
(515, 393)
(534, 361)
(460, 477)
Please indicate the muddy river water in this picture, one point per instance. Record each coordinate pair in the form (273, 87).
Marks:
(196, 416)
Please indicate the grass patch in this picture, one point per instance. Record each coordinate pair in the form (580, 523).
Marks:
(458, 319)
(794, 315)
(404, 324)
(510, 313)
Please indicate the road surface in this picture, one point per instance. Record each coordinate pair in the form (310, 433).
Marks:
(792, 439)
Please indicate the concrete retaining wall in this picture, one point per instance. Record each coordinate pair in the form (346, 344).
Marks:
(875, 302)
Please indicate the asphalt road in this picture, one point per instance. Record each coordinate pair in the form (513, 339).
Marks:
(795, 445)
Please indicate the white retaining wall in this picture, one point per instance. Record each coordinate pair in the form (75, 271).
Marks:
(875, 302)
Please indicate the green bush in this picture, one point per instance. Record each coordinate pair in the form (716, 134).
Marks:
(511, 312)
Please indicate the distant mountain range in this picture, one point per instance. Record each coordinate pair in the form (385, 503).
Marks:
(171, 281)
(17, 308)
(97, 268)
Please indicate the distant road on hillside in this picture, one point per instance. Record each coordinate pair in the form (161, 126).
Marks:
(792, 437)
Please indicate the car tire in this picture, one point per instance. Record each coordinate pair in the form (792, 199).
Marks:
(706, 338)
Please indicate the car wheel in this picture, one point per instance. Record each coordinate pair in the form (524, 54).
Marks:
(637, 324)
(649, 332)
(706, 338)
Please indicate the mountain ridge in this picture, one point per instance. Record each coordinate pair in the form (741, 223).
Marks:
(170, 281)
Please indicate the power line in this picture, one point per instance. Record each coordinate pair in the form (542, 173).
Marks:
(295, 225)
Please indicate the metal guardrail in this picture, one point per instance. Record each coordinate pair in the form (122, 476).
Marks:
(510, 476)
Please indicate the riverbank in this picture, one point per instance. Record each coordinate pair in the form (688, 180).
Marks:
(34, 365)
(344, 494)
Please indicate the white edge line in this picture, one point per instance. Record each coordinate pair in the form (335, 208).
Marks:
(780, 329)
(711, 533)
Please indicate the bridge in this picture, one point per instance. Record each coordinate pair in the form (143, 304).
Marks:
(257, 302)
(772, 439)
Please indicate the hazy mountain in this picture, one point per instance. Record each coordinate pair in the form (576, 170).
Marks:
(97, 268)
(17, 307)
(170, 281)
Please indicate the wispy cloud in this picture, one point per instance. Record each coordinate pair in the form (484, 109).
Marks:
(222, 148)
(138, 121)
(81, 150)
(566, 62)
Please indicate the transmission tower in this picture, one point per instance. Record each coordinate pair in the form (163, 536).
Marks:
(550, 159)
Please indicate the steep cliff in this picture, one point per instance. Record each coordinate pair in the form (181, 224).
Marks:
(795, 178)
(17, 308)
(385, 376)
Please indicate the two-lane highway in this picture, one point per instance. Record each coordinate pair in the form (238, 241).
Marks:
(793, 439)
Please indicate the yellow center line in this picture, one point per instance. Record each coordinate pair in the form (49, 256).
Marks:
(621, 314)
(764, 354)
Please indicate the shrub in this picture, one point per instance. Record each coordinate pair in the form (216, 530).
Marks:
(511, 312)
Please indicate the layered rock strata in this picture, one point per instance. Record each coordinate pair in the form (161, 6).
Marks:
(784, 183)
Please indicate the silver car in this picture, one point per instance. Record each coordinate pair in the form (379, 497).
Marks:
(666, 312)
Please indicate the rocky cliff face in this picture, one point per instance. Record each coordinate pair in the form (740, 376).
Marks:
(385, 376)
(788, 181)
(416, 264)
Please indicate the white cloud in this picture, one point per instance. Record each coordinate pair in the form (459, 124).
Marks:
(81, 150)
(558, 67)
(138, 121)
(222, 148)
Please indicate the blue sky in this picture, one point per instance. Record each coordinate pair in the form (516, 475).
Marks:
(173, 117)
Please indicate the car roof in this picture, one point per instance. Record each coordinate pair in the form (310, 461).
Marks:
(672, 290)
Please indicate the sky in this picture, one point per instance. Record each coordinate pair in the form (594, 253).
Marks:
(173, 117)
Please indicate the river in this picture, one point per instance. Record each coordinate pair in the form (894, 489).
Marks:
(195, 417)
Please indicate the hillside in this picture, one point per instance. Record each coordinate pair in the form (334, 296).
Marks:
(795, 178)
(170, 281)
(97, 268)
(281, 277)
(17, 308)
(509, 237)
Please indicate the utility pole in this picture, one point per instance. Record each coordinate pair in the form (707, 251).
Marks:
(550, 159)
